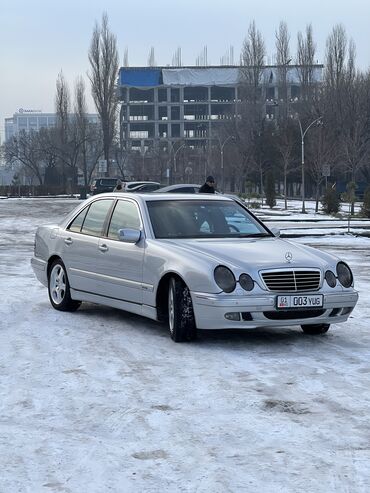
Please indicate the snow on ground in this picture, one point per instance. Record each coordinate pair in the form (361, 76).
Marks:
(102, 400)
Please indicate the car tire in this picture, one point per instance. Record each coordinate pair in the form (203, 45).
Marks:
(58, 288)
(315, 329)
(181, 319)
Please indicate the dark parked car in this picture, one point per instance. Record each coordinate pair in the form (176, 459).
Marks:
(102, 185)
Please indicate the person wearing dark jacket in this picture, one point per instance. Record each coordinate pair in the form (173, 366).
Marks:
(118, 187)
(209, 185)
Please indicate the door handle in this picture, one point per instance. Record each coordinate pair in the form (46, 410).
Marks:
(68, 241)
(103, 248)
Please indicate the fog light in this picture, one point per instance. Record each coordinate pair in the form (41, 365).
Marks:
(246, 316)
(235, 316)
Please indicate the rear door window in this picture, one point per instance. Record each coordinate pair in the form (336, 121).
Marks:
(78, 221)
(93, 224)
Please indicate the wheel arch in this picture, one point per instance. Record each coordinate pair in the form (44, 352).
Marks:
(162, 295)
(50, 262)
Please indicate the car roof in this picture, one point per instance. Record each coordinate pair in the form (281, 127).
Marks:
(142, 198)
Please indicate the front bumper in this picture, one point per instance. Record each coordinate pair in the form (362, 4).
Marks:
(260, 310)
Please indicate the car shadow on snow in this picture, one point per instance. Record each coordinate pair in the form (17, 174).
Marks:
(257, 336)
(115, 319)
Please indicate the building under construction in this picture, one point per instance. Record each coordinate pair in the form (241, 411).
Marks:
(187, 104)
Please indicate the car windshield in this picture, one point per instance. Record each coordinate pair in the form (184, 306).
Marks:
(202, 219)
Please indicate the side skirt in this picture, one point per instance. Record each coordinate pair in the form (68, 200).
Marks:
(144, 310)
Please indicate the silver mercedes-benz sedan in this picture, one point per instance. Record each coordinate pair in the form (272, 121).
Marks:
(194, 261)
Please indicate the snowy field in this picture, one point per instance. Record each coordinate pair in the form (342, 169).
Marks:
(101, 400)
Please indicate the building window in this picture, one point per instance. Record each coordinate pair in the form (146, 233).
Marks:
(175, 113)
(175, 95)
(175, 130)
(139, 134)
(162, 113)
(162, 95)
(163, 132)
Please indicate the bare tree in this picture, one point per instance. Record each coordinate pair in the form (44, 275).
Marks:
(321, 150)
(285, 141)
(347, 103)
(48, 143)
(336, 57)
(356, 133)
(249, 126)
(253, 62)
(67, 140)
(283, 58)
(23, 150)
(62, 109)
(339, 72)
(82, 127)
(306, 51)
(103, 58)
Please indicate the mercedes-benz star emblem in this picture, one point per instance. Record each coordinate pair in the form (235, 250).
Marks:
(288, 256)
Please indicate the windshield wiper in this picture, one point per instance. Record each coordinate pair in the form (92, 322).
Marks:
(252, 235)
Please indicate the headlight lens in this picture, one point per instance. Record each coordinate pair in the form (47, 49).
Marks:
(330, 278)
(246, 282)
(344, 274)
(225, 279)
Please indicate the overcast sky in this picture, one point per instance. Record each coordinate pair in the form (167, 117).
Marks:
(39, 38)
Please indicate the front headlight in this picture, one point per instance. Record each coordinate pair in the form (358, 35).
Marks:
(344, 275)
(330, 278)
(224, 278)
(246, 282)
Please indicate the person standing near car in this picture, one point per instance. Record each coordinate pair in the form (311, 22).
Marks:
(118, 187)
(209, 185)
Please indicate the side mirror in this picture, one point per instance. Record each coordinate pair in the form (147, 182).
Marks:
(128, 235)
(275, 231)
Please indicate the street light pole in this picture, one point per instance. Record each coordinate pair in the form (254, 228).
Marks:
(143, 154)
(174, 156)
(222, 161)
(303, 134)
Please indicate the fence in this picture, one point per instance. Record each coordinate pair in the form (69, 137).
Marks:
(36, 190)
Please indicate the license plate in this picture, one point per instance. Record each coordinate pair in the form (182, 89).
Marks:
(300, 301)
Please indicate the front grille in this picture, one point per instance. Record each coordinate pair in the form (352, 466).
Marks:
(293, 314)
(292, 280)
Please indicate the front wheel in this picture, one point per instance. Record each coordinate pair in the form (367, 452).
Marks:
(315, 329)
(58, 287)
(181, 319)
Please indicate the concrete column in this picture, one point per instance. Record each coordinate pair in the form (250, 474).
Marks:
(156, 117)
(169, 112)
(181, 104)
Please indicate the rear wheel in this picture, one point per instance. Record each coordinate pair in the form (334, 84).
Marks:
(58, 287)
(181, 319)
(315, 329)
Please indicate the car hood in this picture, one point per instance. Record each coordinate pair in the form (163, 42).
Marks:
(263, 253)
